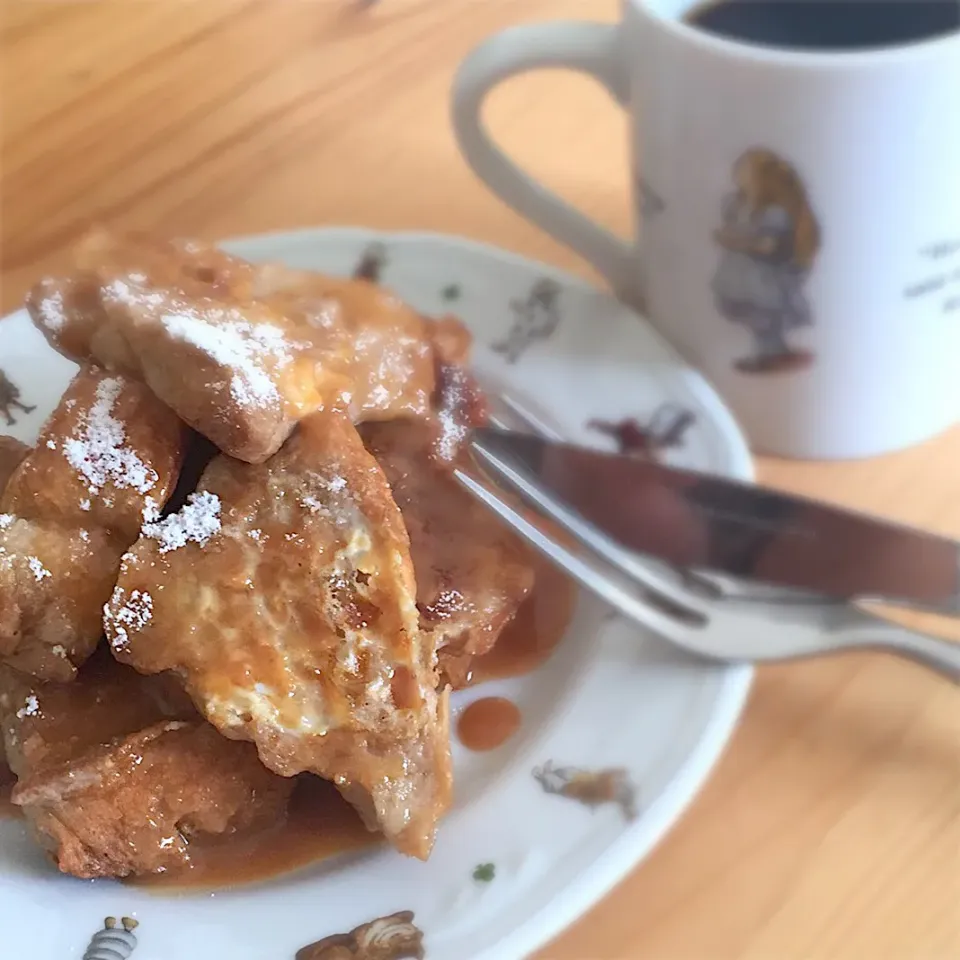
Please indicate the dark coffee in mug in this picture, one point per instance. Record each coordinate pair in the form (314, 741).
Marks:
(827, 24)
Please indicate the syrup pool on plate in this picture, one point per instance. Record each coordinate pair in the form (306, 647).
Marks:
(488, 723)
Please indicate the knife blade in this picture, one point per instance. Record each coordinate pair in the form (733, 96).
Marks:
(706, 523)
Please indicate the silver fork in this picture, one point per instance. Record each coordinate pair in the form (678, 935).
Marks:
(714, 617)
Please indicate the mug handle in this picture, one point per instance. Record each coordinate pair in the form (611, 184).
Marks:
(594, 49)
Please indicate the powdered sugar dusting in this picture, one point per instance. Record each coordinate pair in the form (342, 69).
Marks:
(151, 511)
(195, 522)
(123, 616)
(31, 707)
(451, 436)
(243, 347)
(332, 485)
(379, 396)
(453, 431)
(6, 520)
(313, 504)
(50, 310)
(99, 452)
(37, 568)
(120, 291)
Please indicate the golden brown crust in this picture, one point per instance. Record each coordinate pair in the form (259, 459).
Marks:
(46, 724)
(170, 262)
(110, 786)
(240, 352)
(281, 594)
(472, 573)
(374, 344)
(108, 456)
(335, 678)
(54, 581)
(132, 806)
(178, 316)
(11, 453)
(451, 341)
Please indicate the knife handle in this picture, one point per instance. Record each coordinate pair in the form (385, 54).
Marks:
(941, 656)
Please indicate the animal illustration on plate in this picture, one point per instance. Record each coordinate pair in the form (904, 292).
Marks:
(665, 430)
(592, 788)
(114, 942)
(769, 239)
(372, 262)
(651, 203)
(387, 938)
(534, 318)
(10, 397)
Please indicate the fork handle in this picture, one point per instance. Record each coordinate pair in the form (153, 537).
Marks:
(941, 656)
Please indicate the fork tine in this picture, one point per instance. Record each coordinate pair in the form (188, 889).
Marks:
(607, 583)
(705, 587)
(805, 631)
(524, 417)
(671, 593)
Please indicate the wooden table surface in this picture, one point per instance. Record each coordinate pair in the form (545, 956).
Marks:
(831, 828)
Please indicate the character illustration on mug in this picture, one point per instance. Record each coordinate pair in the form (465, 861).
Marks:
(770, 239)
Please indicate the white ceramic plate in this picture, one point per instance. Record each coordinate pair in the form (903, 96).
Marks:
(610, 699)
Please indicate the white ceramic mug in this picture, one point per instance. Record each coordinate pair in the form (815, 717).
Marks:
(799, 216)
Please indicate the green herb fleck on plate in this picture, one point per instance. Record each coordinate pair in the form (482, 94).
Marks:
(484, 873)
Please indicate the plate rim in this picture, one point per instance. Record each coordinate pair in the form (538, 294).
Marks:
(635, 844)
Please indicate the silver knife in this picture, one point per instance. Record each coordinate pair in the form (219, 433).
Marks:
(702, 522)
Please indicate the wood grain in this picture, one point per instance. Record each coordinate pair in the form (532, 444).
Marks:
(831, 830)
